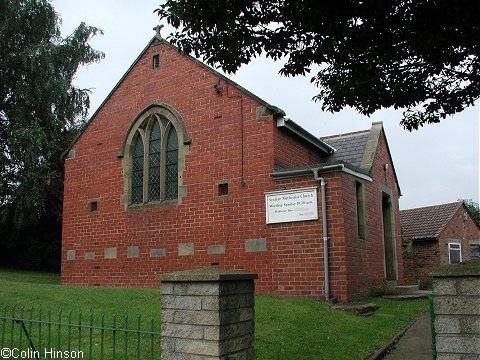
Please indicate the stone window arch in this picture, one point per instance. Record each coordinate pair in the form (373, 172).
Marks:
(153, 158)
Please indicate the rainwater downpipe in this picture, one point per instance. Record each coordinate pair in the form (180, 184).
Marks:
(325, 233)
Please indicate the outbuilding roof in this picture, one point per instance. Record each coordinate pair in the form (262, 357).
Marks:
(350, 147)
(354, 154)
(427, 222)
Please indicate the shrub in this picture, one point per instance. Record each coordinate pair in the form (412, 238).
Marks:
(384, 289)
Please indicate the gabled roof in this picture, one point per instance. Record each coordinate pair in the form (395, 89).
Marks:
(354, 154)
(350, 150)
(427, 222)
(277, 113)
(157, 39)
(356, 151)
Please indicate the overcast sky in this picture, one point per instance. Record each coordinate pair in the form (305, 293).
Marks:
(437, 164)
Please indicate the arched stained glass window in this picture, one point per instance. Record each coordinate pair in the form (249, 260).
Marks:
(154, 163)
(155, 144)
(137, 169)
(171, 165)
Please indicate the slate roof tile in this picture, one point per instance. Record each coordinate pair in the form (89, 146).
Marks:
(350, 147)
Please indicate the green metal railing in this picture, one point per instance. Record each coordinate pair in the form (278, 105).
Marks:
(432, 325)
(37, 333)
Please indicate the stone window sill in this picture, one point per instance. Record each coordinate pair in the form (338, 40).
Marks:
(152, 204)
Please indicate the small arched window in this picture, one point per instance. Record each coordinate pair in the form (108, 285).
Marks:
(155, 147)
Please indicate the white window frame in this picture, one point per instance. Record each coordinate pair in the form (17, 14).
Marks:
(474, 243)
(450, 248)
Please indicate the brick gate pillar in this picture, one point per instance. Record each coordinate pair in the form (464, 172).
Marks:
(207, 313)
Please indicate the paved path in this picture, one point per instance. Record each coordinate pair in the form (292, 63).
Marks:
(416, 343)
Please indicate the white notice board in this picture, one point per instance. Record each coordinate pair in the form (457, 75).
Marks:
(291, 205)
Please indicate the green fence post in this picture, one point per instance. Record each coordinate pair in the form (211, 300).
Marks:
(59, 328)
(102, 333)
(30, 325)
(138, 336)
(114, 335)
(20, 335)
(12, 327)
(126, 336)
(90, 334)
(69, 334)
(4, 319)
(152, 348)
(432, 326)
(79, 331)
(40, 327)
(49, 327)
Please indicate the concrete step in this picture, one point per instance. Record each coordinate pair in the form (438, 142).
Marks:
(413, 296)
(407, 289)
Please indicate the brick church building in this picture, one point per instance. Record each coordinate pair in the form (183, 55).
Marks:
(182, 168)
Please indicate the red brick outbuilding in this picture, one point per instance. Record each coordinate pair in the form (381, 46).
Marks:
(438, 235)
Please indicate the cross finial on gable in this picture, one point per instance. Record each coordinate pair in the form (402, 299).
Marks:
(158, 29)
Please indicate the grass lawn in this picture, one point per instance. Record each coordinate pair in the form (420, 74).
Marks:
(285, 328)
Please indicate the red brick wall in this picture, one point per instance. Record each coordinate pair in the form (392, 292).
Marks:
(420, 258)
(302, 242)
(292, 264)
(337, 250)
(460, 229)
(365, 264)
(214, 122)
(291, 152)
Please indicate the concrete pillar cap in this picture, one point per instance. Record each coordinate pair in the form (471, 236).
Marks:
(471, 268)
(207, 274)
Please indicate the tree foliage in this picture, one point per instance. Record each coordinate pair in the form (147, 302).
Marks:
(39, 112)
(418, 55)
(474, 208)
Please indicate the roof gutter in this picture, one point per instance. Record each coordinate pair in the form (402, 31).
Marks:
(285, 174)
(286, 123)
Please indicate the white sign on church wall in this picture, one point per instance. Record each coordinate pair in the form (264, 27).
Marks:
(291, 205)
